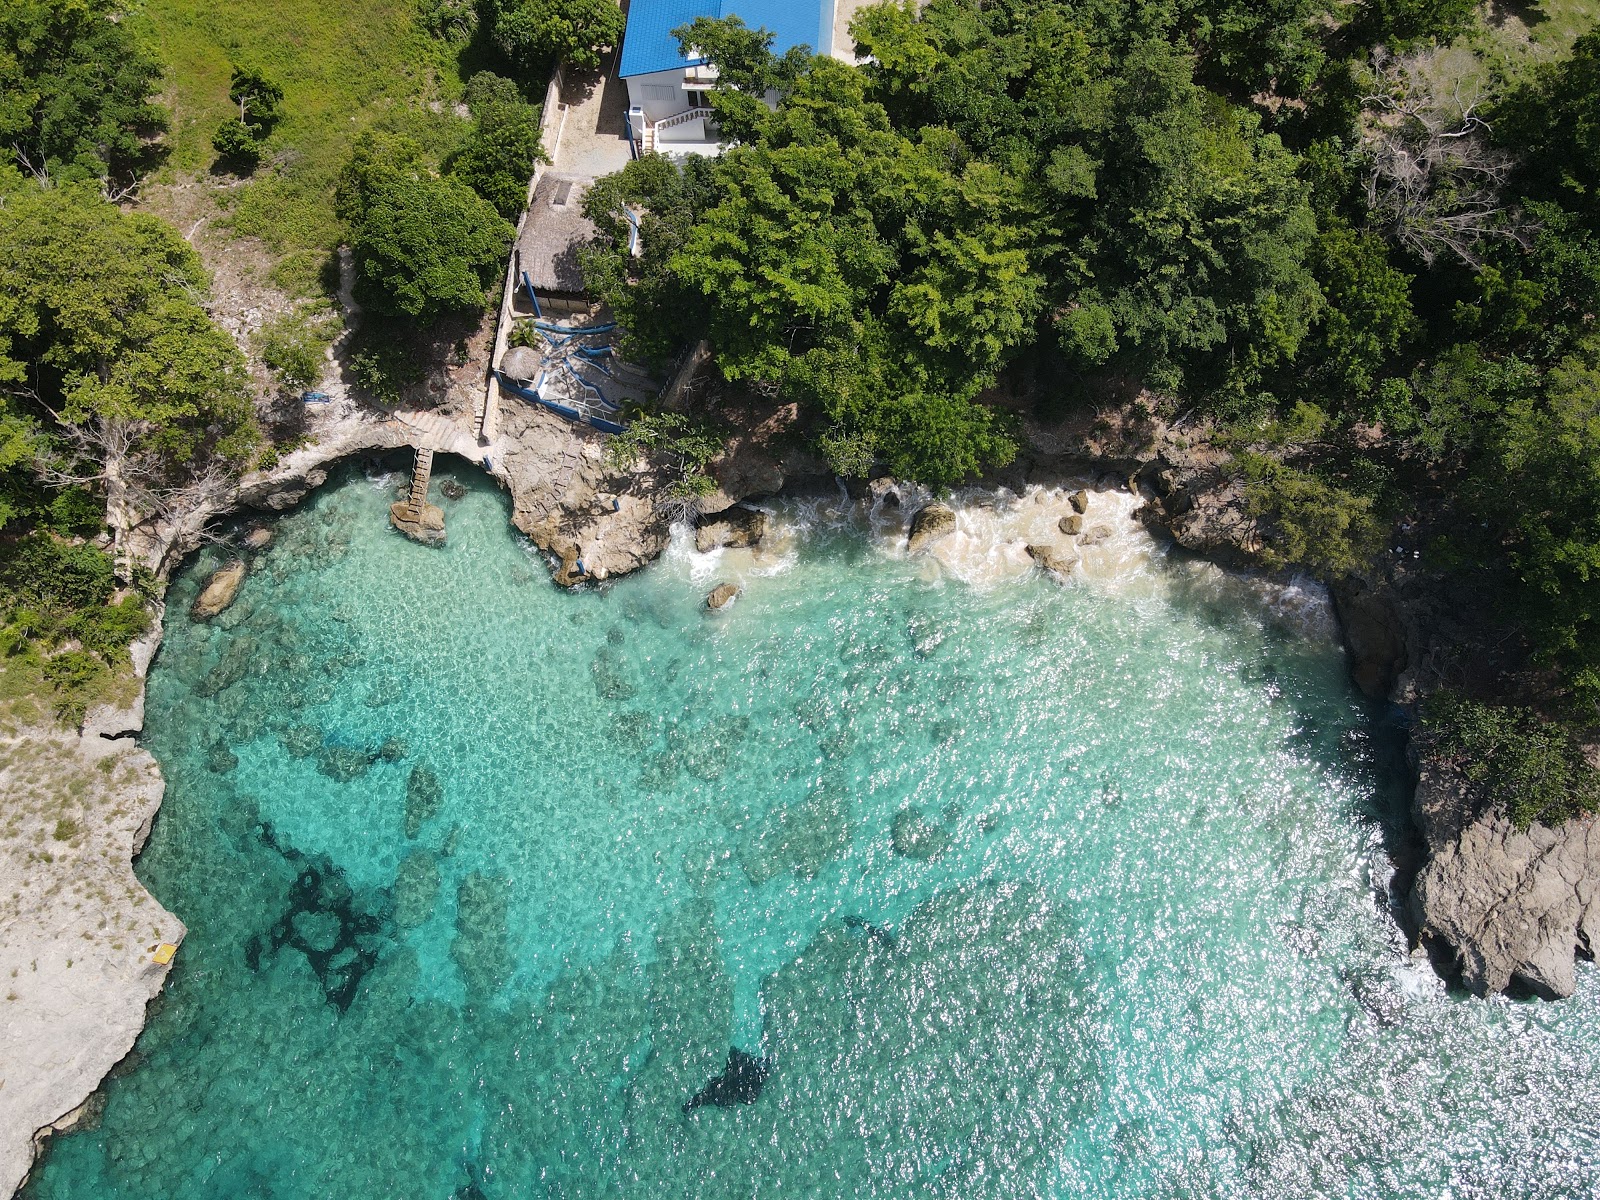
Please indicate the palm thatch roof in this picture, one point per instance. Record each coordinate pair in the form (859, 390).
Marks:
(548, 248)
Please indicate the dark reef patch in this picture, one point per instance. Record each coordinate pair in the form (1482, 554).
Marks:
(741, 1082)
(325, 922)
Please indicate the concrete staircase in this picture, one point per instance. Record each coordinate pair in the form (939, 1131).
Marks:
(420, 475)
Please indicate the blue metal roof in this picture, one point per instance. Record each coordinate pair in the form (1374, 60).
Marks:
(648, 45)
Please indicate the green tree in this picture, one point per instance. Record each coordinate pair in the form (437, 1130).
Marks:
(1368, 314)
(497, 157)
(75, 90)
(424, 245)
(1553, 122)
(535, 34)
(260, 103)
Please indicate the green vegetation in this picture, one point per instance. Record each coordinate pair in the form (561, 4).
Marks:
(685, 443)
(1514, 760)
(425, 245)
(344, 69)
(497, 156)
(75, 92)
(238, 139)
(533, 34)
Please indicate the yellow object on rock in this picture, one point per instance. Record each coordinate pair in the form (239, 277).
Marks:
(164, 953)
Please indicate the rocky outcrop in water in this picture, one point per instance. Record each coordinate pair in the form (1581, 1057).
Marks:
(1514, 907)
(931, 523)
(1053, 559)
(721, 596)
(735, 528)
(219, 590)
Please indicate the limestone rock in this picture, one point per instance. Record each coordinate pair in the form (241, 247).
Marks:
(1095, 535)
(736, 527)
(423, 524)
(1514, 906)
(917, 837)
(258, 538)
(1079, 501)
(1071, 526)
(721, 596)
(1052, 559)
(929, 525)
(219, 591)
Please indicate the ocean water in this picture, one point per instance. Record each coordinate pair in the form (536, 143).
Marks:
(900, 878)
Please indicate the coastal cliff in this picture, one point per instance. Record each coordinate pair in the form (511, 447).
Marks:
(78, 932)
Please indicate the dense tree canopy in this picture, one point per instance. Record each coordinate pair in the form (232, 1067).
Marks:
(535, 34)
(497, 157)
(75, 90)
(424, 245)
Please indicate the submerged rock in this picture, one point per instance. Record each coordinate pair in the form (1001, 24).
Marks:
(424, 798)
(741, 1082)
(480, 949)
(929, 525)
(737, 527)
(219, 590)
(1096, 535)
(917, 837)
(258, 537)
(342, 764)
(416, 889)
(799, 838)
(452, 489)
(721, 596)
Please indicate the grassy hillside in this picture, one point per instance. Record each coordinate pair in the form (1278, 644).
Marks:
(345, 67)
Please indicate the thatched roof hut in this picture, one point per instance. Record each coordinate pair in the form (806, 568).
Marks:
(520, 362)
(555, 228)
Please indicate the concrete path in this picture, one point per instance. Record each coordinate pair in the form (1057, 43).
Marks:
(594, 140)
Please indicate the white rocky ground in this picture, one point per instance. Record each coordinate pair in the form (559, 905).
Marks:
(77, 929)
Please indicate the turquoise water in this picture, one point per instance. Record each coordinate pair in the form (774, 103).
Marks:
(1010, 889)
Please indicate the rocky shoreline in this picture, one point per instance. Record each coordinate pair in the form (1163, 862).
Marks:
(1509, 907)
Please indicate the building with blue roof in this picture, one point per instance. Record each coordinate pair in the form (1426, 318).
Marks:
(666, 88)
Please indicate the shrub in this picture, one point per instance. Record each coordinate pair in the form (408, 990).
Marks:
(535, 33)
(1516, 761)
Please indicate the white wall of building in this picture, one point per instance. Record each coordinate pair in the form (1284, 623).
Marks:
(660, 94)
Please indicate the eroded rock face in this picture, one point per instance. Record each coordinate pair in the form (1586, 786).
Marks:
(1514, 906)
(219, 591)
(931, 523)
(736, 527)
(1374, 637)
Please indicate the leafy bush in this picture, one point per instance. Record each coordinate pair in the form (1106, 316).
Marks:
(496, 160)
(685, 443)
(1311, 522)
(1519, 763)
(292, 348)
(424, 246)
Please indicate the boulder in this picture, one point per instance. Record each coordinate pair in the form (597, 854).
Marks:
(917, 837)
(423, 523)
(736, 527)
(721, 596)
(219, 591)
(1096, 535)
(1079, 501)
(884, 490)
(1071, 526)
(1050, 558)
(931, 523)
(1513, 906)
(258, 538)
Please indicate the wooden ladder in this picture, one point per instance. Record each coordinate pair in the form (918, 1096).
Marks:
(420, 476)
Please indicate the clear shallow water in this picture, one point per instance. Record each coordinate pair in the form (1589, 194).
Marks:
(485, 881)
